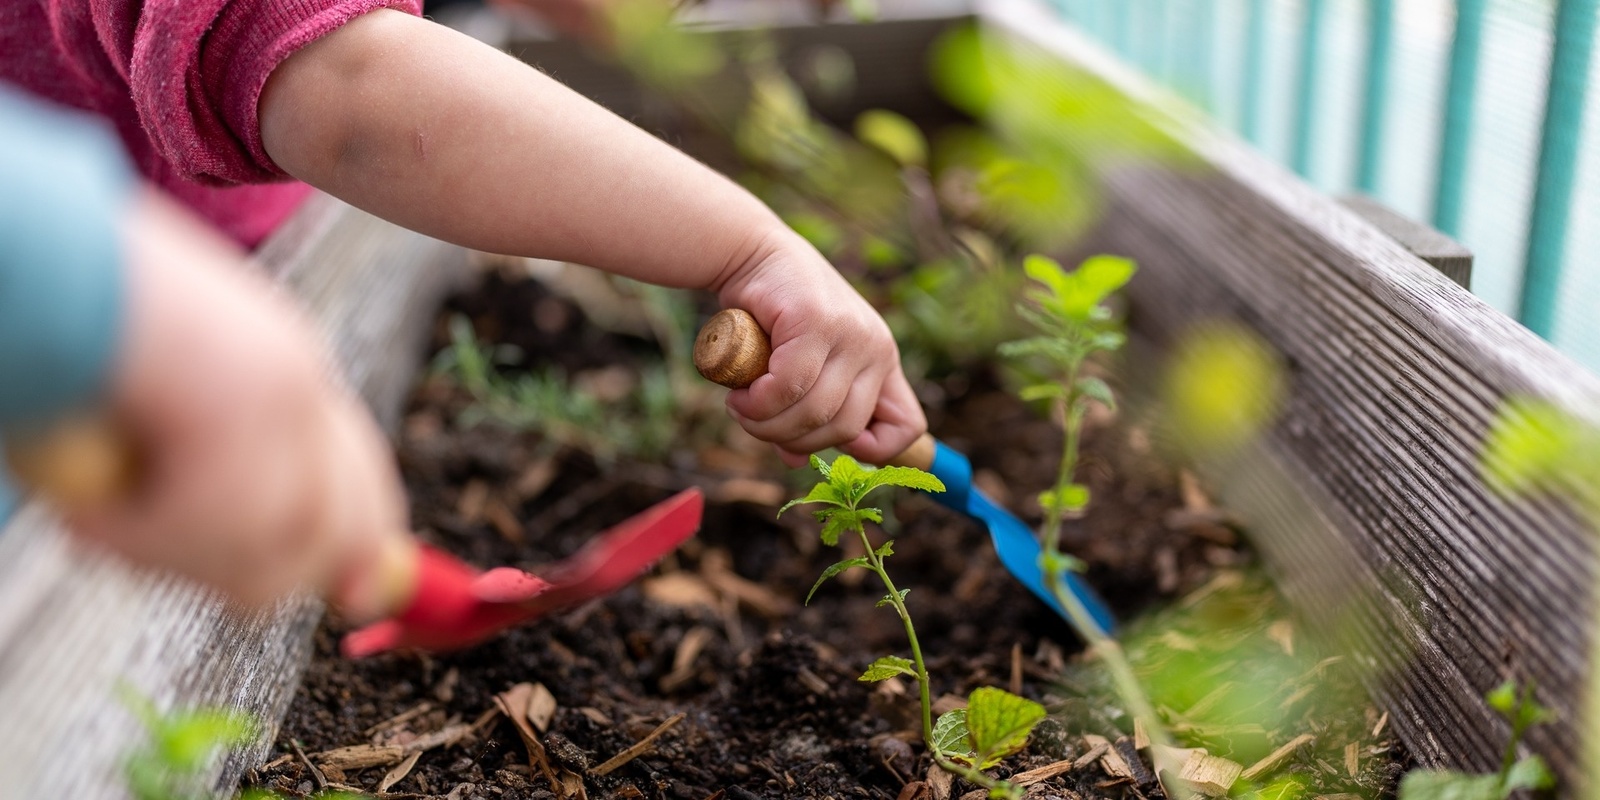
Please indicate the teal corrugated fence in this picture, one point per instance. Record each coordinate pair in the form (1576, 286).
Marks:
(1479, 116)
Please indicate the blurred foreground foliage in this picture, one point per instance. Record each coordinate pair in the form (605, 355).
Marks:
(1230, 670)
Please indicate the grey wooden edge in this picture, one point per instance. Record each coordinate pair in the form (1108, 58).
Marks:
(1418, 238)
(74, 625)
(1365, 498)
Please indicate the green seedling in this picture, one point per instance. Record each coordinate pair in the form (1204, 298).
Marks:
(1531, 773)
(995, 723)
(182, 746)
(1537, 449)
(1069, 309)
(640, 425)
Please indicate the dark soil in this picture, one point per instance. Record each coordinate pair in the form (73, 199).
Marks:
(768, 688)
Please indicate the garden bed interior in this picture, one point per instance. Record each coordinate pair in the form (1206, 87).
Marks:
(767, 686)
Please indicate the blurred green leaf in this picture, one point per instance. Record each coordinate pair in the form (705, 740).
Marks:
(1223, 386)
(1503, 698)
(895, 135)
(1446, 785)
(188, 741)
(648, 41)
(1529, 773)
(1041, 391)
(820, 232)
(1096, 389)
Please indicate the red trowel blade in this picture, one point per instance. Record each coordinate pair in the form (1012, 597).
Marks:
(455, 606)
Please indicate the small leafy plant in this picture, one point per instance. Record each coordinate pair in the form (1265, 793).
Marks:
(183, 744)
(1519, 709)
(1069, 309)
(965, 741)
(642, 424)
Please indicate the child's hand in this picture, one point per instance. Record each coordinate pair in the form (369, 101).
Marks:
(260, 475)
(444, 135)
(834, 377)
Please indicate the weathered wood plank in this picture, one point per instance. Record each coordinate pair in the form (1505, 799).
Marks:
(1365, 498)
(1423, 241)
(74, 625)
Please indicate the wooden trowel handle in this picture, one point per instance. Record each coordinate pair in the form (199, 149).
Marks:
(79, 463)
(87, 463)
(732, 350)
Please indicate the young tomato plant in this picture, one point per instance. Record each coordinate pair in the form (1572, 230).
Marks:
(995, 723)
(1070, 312)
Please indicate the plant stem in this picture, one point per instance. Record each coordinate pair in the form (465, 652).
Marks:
(972, 775)
(1105, 647)
(876, 563)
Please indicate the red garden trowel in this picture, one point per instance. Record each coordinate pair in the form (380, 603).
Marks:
(87, 463)
(454, 605)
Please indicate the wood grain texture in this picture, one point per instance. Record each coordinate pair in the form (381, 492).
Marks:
(1365, 498)
(74, 624)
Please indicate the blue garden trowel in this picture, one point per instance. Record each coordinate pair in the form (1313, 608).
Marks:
(732, 350)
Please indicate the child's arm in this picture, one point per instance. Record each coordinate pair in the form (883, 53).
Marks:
(445, 135)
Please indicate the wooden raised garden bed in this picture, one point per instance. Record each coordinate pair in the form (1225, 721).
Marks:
(1364, 502)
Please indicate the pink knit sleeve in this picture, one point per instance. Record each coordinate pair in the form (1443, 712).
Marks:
(197, 68)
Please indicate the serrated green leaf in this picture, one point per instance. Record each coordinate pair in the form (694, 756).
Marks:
(833, 570)
(835, 525)
(907, 477)
(950, 735)
(888, 667)
(889, 599)
(821, 493)
(820, 466)
(1529, 773)
(895, 135)
(847, 474)
(1097, 390)
(999, 722)
(885, 550)
(1446, 785)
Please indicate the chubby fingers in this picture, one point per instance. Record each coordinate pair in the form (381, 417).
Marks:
(896, 421)
(837, 409)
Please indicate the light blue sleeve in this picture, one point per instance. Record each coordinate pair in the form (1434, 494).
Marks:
(64, 187)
